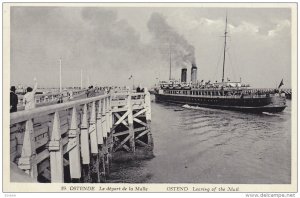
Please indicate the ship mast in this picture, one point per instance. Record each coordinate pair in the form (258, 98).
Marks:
(224, 49)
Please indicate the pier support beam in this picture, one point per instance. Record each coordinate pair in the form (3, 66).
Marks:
(105, 135)
(94, 146)
(148, 118)
(130, 125)
(99, 130)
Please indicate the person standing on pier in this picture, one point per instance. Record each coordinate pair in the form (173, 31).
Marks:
(13, 99)
(29, 96)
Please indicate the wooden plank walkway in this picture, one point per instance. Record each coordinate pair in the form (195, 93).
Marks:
(76, 141)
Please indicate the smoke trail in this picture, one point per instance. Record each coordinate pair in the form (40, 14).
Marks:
(166, 37)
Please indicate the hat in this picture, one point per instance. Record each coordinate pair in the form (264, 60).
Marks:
(12, 88)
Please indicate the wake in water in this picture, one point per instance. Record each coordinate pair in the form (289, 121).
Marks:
(269, 114)
(189, 107)
(203, 108)
(194, 107)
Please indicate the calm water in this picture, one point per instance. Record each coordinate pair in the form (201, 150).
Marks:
(213, 146)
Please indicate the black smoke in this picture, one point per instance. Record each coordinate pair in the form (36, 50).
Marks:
(167, 39)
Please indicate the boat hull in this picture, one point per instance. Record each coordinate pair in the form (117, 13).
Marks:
(253, 105)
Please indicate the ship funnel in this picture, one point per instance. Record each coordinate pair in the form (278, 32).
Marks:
(194, 74)
(183, 74)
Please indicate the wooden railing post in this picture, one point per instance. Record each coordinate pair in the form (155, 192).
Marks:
(104, 131)
(93, 130)
(148, 117)
(130, 124)
(110, 112)
(110, 137)
(73, 147)
(100, 143)
(95, 176)
(99, 124)
(27, 159)
(107, 115)
(56, 152)
(105, 125)
(148, 105)
(85, 151)
(84, 143)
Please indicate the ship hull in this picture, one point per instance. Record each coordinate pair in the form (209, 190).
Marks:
(252, 105)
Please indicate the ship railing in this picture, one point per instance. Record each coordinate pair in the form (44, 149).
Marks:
(230, 96)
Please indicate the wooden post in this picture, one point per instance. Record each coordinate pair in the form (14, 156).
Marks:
(105, 124)
(107, 115)
(93, 130)
(94, 146)
(104, 132)
(99, 124)
(56, 152)
(109, 122)
(100, 141)
(110, 113)
(148, 118)
(85, 151)
(27, 159)
(112, 130)
(130, 124)
(110, 133)
(148, 105)
(73, 147)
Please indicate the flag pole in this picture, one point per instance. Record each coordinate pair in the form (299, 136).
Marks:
(60, 88)
(132, 83)
(88, 80)
(81, 79)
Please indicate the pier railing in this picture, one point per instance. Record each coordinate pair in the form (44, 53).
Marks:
(46, 140)
(48, 98)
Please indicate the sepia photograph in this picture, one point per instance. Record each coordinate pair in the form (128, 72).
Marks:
(162, 97)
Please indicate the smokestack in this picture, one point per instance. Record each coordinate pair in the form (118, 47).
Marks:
(183, 74)
(194, 74)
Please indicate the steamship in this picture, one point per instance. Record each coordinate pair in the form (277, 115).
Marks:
(223, 95)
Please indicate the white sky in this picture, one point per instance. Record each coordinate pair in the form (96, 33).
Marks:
(110, 44)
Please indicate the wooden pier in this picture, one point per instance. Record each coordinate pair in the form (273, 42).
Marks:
(78, 140)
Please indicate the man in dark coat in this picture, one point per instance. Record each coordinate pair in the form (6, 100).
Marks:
(13, 99)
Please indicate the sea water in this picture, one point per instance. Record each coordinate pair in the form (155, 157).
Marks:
(201, 145)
